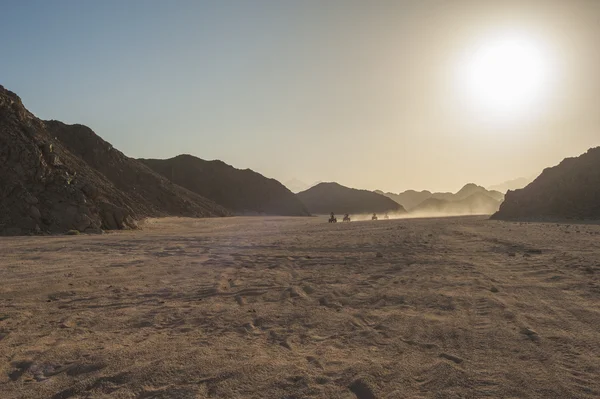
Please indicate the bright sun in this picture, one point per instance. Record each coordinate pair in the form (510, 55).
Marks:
(506, 76)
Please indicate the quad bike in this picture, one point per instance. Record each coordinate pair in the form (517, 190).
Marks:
(386, 216)
(374, 217)
(332, 220)
(346, 218)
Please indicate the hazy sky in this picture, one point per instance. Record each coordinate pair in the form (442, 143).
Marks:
(372, 94)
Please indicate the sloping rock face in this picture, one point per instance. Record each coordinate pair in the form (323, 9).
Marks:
(44, 187)
(151, 193)
(243, 191)
(333, 197)
(570, 190)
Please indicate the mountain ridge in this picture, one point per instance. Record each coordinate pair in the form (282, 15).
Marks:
(333, 197)
(411, 198)
(475, 204)
(244, 191)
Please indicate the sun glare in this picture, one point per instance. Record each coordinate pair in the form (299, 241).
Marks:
(506, 77)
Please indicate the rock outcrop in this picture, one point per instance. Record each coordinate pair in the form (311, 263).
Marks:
(333, 197)
(46, 187)
(245, 192)
(570, 190)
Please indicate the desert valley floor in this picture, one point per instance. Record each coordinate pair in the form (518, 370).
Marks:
(299, 308)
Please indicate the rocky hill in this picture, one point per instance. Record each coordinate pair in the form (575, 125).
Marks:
(470, 189)
(570, 190)
(333, 197)
(55, 177)
(475, 204)
(242, 191)
(151, 192)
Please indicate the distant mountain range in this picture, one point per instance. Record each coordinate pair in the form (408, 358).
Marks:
(408, 199)
(333, 197)
(474, 204)
(56, 177)
(512, 184)
(244, 192)
(570, 190)
(468, 200)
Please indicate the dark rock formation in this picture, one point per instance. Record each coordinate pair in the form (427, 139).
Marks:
(243, 191)
(570, 190)
(45, 187)
(333, 197)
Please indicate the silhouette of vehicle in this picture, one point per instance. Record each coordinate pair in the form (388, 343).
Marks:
(386, 216)
(332, 218)
(346, 218)
(374, 217)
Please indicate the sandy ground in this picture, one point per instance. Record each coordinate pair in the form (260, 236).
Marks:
(299, 308)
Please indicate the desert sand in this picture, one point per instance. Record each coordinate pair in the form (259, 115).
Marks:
(299, 308)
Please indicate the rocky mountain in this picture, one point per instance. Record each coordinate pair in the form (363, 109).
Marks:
(410, 199)
(511, 184)
(151, 192)
(242, 191)
(333, 197)
(55, 177)
(570, 190)
(475, 204)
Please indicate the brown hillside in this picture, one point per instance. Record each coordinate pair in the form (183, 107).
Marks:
(152, 193)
